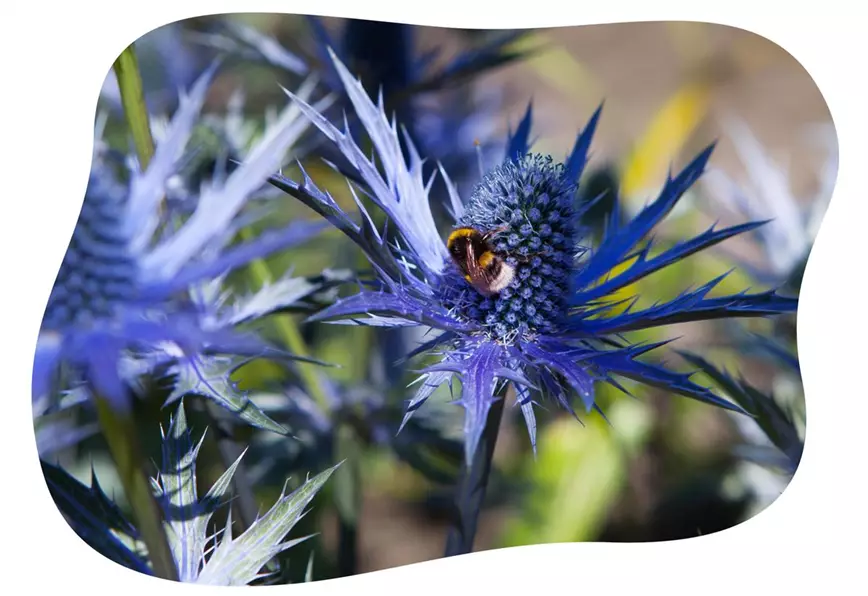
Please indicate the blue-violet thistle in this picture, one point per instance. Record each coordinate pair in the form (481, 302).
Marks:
(551, 331)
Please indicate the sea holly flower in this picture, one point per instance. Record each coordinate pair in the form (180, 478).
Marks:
(446, 118)
(119, 298)
(534, 313)
(451, 119)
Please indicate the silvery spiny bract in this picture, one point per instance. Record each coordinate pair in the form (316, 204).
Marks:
(202, 553)
(552, 332)
(139, 285)
(787, 240)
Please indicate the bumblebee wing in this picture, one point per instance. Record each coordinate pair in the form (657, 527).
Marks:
(475, 271)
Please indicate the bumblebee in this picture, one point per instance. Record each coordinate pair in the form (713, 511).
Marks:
(487, 272)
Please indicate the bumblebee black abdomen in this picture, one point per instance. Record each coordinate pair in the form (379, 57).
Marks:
(480, 265)
(465, 245)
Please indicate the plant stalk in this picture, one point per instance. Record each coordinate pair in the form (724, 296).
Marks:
(132, 92)
(348, 499)
(244, 502)
(289, 332)
(118, 428)
(123, 442)
(473, 485)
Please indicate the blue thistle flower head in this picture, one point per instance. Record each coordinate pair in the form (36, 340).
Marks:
(98, 272)
(529, 204)
(541, 320)
(127, 297)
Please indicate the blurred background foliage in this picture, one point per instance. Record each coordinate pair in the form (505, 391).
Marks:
(659, 468)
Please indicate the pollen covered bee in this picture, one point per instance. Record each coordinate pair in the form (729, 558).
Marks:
(487, 272)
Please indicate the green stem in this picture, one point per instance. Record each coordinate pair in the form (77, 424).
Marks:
(126, 69)
(474, 482)
(348, 499)
(123, 442)
(244, 502)
(289, 332)
(347, 488)
(119, 429)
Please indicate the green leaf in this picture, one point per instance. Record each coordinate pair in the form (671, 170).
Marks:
(237, 561)
(126, 69)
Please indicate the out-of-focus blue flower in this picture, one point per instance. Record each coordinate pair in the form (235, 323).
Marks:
(121, 300)
(448, 120)
(787, 240)
(550, 332)
(58, 425)
(217, 144)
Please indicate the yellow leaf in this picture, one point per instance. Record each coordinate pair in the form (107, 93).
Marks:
(624, 293)
(671, 128)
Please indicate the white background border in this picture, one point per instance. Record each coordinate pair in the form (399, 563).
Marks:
(55, 57)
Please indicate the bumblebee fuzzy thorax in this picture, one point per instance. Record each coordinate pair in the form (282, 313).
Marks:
(514, 247)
